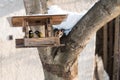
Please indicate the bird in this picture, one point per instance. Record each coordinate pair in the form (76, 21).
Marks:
(39, 34)
(58, 33)
(31, 34)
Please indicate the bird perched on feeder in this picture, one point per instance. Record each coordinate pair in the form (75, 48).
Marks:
(39, 34)
(31, 34)
(58, 33)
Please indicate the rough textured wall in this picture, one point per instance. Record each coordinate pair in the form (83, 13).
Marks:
(16, 64)
(24, 64)
(73, 5)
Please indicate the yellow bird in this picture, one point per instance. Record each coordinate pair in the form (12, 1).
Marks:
(39, 34)
(31, 34)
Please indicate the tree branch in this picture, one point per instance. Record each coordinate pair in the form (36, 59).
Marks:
(99, 15)
(102, 12)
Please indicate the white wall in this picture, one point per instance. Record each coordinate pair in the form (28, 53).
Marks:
(73, 5)
(16, 64)
(24, 64)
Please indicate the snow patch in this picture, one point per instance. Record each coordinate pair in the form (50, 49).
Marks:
(72, 18)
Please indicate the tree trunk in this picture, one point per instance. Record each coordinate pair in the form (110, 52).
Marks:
(53, 69)
(57, 72)
(60, 63)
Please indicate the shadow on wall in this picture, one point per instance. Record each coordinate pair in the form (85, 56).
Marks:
(10, 6)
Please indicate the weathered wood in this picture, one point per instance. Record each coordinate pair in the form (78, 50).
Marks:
(25, 28)
(19, 43)
(110, 48)
(47, 21)
(37, 7)
(119, 53)
(116, 65)
(99, 42)
(105, 47)
(34, 42)
(49, 28)
(38, 19)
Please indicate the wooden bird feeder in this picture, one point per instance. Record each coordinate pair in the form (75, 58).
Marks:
(47, 21)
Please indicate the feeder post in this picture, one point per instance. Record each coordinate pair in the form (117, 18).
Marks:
(25, 27)
(49, 27)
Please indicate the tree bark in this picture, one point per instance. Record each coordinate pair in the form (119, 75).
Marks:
(60, 63)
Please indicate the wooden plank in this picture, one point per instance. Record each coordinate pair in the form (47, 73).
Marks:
(119, 49)
(37, 20)
(34, 42)
(25, 26)
(110, 48)
(116, 50)
(105, 48)
(49, 28)
(19, 43)
(99, 42)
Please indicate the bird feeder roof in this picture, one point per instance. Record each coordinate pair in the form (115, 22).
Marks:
(34, 20)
